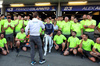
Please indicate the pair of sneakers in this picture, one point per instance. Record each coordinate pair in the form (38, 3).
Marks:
(41, 62)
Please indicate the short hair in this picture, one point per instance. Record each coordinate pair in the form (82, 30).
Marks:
(74, 32)
(73, 16)
(86, 35)
(16, 15)
(35, 14)
(8, 15)
(90, 15)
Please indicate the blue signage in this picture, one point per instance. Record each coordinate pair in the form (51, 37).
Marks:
(81, 8)
(24, 9)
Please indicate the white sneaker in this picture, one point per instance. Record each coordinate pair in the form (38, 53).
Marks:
(45, 53)
(49, 50)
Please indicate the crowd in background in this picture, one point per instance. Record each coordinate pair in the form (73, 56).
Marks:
(64, 33)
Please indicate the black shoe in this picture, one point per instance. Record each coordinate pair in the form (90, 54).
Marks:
(12, 48)
(82, 56)
(42, 61)
(62, 52)
(17, 50)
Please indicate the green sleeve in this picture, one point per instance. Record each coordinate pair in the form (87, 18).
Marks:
(5, 41)
(17, 35)
(94, 22)
(64, 38)
(69, 39)
(92, 42)
(78, 41)
(54, 38)
(95, 46)
(99, 25)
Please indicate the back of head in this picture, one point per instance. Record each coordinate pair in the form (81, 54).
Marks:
(35, 15)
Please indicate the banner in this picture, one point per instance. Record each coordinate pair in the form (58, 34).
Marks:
(81, 8)
(25, 9)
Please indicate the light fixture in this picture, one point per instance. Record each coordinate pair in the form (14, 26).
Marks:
(0, 6)
(76, 12)
(17, 5)
(43, 12)
(43, 4)
(1, 2)
(77, 2)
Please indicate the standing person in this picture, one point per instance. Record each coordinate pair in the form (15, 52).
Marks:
(9, 27)
(77, 27)
(72, 19)
(34, 26)
(83, 21)
(48, 36)
(66, 29)
(1, 25)
(55, 28)
(89, 27)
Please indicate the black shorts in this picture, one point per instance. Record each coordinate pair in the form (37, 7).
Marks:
(9, 37)
(87, 53)
(71, 48)
(22, 44)
(42, 36)
(60, 45)
(0, 50)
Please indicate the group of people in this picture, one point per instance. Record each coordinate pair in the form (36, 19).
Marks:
(67, 35)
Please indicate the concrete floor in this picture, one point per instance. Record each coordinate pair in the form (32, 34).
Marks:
(53, 59)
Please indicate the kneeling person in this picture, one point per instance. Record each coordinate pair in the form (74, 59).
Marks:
(3, 45)
(21, 40)
(59, 41)
(72, 44)
(85, 47)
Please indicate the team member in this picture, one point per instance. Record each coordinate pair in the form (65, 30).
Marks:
(21, 40)
(98, 27)
(85, 47)
(49, 30)
(9, 27)
(83, 21)
(3, 45)
(59, 41)
(96, 49)
(1, 25)
(66, 29)
(77, 27)
(72, 19)
(25, 21)
(89, 27)
(34, 27)
(18, 24)
(72, 44)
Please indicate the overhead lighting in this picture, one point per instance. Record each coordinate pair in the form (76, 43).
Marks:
(16, 5)
(1, 2)
(77, 2)
(43, 4)
(0, 6)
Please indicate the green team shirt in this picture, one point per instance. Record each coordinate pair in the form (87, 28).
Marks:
(83, 23)
(41, 30)
(0, 27)
(8, 30)
(25, 23)
(99, 25)
(97, 46)
(86, 45)
(19, 26)
(73, 42)
(77, 27)
(71, 21)
(66, 28)
(3, 42)
(88, 23)
(21, 36)
(59, 39)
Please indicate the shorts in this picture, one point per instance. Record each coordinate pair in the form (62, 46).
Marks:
(60, 45)
(9, 37)
(42, 36)
(71, 48)
(22, 44)
(0, 50)
(87, 53)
